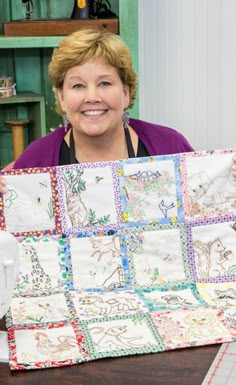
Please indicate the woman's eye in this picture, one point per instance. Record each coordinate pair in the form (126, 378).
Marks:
(104, 83)
(78, 85)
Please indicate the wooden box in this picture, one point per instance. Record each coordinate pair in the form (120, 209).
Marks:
(57, 27)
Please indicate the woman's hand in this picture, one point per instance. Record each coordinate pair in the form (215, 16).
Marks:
(3, 186)
(234, 167)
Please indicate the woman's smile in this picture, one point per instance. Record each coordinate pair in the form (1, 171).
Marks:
(94, 112)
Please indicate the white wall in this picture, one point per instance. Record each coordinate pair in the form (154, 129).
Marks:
(187, 68)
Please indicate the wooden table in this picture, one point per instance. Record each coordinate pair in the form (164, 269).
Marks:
(182, 366)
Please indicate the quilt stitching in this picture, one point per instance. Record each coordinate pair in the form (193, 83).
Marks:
(117, 258)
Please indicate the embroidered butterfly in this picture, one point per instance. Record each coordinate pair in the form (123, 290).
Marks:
(168, 258)
(11, 195)
(98, 178)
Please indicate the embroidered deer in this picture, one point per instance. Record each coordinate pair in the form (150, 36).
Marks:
(112, 305)
(104, 245)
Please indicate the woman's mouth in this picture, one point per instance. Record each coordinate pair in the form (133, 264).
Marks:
(94, 112)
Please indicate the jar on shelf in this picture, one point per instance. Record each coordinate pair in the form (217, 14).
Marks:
(7, 88)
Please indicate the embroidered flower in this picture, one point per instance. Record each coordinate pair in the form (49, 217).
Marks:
(120, 172)
(178, 204)
(124, 217)
(154, 223)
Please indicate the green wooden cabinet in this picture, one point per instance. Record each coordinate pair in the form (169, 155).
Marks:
(34, 106)
(26, 59)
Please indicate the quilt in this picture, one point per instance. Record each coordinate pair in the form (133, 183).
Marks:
(120, 258)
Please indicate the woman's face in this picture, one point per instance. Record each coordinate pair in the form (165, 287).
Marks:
(94, 98)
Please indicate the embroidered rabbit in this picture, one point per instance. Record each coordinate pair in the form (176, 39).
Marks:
(76, 209)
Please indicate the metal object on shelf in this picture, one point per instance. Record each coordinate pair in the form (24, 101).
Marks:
(7, 88)
(81, 9)
(6, 81)
(48, 10)
(101, 9)
(28, 7)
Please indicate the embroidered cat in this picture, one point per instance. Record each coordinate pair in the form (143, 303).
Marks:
(202, 324)
(208, 191)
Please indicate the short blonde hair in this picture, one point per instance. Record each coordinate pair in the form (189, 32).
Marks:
(81, 46)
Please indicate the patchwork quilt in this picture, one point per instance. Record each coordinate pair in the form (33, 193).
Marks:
(119, 258)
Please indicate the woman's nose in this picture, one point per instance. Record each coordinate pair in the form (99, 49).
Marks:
(92, 94)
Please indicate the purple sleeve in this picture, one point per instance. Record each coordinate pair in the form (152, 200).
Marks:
(160, 140)
(43, 152)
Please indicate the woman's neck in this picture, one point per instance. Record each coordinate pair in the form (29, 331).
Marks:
(99, 149)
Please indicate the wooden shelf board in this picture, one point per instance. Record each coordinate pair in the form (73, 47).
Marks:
(48, 33)
(22, 97)
(45, 34)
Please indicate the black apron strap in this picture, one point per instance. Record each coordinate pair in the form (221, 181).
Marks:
(129, 142)
(72, 148)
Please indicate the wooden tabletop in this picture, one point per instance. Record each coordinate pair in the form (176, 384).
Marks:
(182, 366)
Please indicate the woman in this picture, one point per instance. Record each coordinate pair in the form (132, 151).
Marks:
(94, 82)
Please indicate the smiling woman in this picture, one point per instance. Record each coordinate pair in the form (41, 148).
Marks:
(94, 98)
(94, 82)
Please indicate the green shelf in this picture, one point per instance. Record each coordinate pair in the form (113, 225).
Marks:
(35, 105)
(7, 42)
(24, 105)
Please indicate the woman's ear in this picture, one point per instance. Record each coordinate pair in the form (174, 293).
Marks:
(127, 96)
(60, 97)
